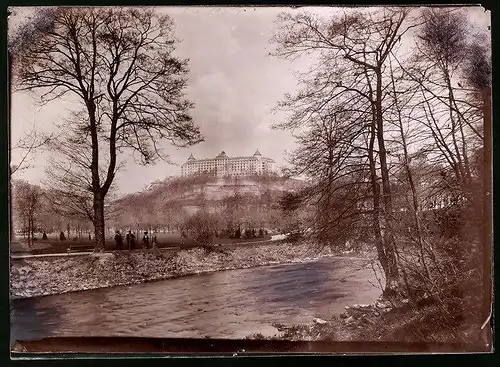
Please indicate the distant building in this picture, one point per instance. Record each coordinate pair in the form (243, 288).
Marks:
(431, 194)
(222, 165)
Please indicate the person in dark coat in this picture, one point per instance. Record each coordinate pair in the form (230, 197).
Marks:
(118, 240)
(62, 237)
(127, 238)
(130, 240)
(44, 236)
(145, 240)
(154, 241)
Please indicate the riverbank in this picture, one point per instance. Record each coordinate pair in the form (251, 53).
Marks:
(396, 321)
(47, 276)
(388, 322)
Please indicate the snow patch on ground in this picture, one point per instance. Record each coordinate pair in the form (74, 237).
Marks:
(45, 276)
(278, 237)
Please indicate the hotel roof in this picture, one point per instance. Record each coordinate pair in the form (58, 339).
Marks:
(225, 156)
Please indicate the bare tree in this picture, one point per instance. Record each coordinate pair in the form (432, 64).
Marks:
(451, 119)
(234, 206)
(352, 52)
(203, 225)
(478, 76)
(332, 154)
(27, 206)
(291, 203)
(453, 71)
(119, 64)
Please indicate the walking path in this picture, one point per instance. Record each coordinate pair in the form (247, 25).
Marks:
(83, 253)
(73, 254)
(22, 246)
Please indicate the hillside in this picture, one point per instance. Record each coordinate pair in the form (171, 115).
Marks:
(173, 199)
(189, 188)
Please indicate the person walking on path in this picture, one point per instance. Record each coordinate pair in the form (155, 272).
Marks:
(130, 240)
(127, 238)
(118, 240)
(145, 240)
(154, 240)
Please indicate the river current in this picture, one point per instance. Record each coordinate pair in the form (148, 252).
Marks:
(230, 304)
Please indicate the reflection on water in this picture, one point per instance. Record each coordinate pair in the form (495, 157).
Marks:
(230, 304)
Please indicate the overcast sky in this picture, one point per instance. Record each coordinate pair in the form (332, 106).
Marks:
(233, 83)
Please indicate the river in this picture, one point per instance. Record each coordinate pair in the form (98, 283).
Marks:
(230, 304)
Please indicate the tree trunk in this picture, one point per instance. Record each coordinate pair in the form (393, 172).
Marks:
(453, 133)
(32, 230)
(389, 241)
(29, 232)
(98, 204)
(409, 175)
(377, 233)
(99, 234)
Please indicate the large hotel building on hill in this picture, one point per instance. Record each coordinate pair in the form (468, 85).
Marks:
(222, 165)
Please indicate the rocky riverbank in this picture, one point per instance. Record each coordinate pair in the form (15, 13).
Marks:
(344, 327)
(389, 321)
(32, 277)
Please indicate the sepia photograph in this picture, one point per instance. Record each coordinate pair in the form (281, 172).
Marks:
(241, 180)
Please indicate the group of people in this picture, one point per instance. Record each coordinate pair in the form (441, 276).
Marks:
(131, 243)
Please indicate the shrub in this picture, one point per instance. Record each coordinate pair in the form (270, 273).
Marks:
(203, 226)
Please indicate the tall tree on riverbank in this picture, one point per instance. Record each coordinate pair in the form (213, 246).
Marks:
(462, 59)
(352, 50)
(119, 65)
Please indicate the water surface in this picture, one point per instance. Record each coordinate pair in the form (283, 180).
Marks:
(229, 304)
